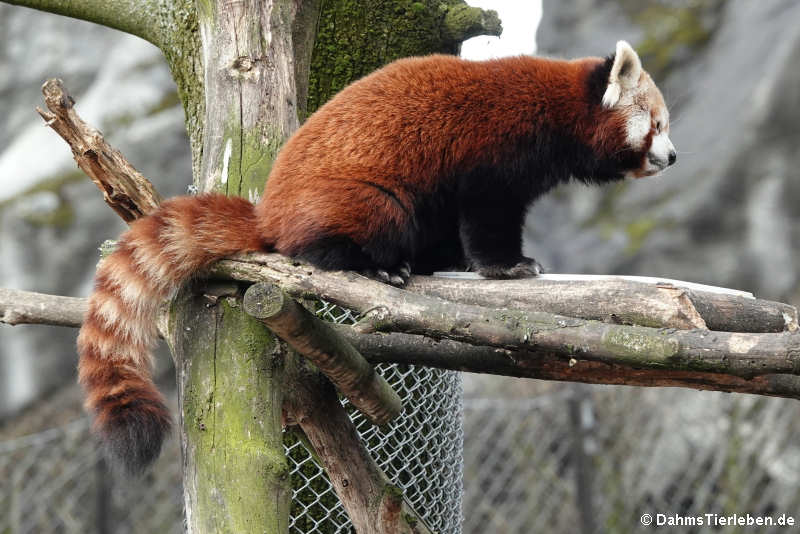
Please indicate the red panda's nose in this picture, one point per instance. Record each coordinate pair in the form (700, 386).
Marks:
(673, 156)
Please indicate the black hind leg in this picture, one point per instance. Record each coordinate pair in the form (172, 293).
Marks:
(342, 254)
(335, 254)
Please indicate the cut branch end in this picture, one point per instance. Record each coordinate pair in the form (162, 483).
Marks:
(349, 371)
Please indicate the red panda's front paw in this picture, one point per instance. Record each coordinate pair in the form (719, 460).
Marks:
(525, 268)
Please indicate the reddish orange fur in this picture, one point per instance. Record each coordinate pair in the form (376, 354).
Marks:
(362, 168)
(115, 363)
(403, 96)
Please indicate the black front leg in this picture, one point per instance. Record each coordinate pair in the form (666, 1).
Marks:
(490, 228)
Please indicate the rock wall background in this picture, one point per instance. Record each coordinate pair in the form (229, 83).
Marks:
(727, 213)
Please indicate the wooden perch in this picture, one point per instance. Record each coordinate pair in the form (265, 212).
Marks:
(355, 378)
(22, 307)
(391, 309)
(618, 301)
(373, 504)
(613, 301)
(544, 365)
(124, 188)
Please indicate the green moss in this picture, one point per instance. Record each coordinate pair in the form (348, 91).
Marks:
(258, 154)
(250, 155)
(355, 37)
(641, 346)
(233, 418)
(638, 231)
(182, 49)
(464, 22)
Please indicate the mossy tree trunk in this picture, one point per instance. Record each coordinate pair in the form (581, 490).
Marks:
(355, 37)
(230, 368)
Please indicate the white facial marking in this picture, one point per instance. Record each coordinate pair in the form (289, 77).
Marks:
(661, 146)
(638, 127)
(658, 155)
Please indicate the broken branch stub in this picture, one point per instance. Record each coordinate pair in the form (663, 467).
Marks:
(124, 189)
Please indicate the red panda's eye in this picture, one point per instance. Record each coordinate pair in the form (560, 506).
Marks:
(658, 126)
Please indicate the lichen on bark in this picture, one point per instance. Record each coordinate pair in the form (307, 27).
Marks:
(355, 37)
(236, 475)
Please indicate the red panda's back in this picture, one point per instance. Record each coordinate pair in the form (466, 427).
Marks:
(402, 129)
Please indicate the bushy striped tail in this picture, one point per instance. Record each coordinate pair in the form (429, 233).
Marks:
(153, 258)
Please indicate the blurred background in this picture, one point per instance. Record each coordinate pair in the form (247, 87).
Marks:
(537, 456)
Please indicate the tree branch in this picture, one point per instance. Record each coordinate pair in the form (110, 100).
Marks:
(543, 365)
(137, 17)
(124, 188)
(373, 504)
(620, 301)
(614, 301)
(25, 307)
(391, 309)
(463, 22)
(355, 378)
(22, 307)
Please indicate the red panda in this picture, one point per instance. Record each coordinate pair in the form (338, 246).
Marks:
(425, 164)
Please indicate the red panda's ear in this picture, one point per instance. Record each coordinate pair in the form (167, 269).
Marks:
(624, 75)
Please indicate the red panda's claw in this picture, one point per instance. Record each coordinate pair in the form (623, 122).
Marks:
(396, 278)
(404, 271)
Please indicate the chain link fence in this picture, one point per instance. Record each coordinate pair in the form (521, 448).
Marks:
(577, 460)
(600, 459)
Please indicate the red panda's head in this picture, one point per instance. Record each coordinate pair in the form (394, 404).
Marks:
(634, 105)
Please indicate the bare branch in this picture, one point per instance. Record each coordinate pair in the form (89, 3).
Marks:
(137, 17)
(543, 365)
(615, 301)
(342, 364)
(25, 307)
(618, 301)
(124, 188)
(391, 309)
(373, 504)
